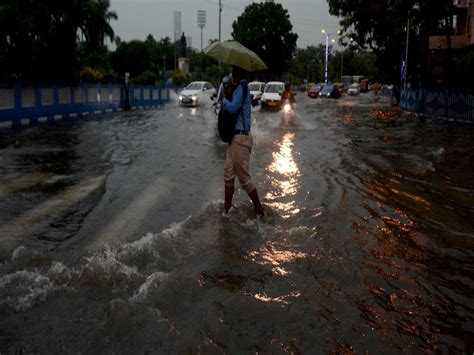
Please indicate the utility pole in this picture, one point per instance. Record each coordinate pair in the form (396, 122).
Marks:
(406, 53)
(220, 10)
(219, 62)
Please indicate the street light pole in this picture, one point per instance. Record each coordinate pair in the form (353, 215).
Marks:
(405, 69)
(220, 11)
(323, 31)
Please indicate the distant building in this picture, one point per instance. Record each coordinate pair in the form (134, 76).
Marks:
(464, 21)
(451, 65)
(177, 25)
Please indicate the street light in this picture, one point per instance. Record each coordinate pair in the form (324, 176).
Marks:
(323, 31)
(405, 64)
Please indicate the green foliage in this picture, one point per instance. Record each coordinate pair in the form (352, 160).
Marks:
(91, 75)
(146, 78)
(178, 77)
(381, 26)
(39, 39)
(309, 64)
(266, 29)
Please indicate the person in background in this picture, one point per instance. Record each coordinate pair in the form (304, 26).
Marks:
(237, 161)
(287, 94)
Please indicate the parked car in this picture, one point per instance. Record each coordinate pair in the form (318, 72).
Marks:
(271, 97)
(196, 93)
(314, 90)
(256, 89)
(353, 90)
(330, 91)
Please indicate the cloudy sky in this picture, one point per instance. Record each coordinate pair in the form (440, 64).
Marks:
(138, 18)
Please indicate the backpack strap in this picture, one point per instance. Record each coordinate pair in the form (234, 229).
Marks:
(245, 92)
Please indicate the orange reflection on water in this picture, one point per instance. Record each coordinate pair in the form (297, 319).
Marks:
(269, 255)
(283, 164)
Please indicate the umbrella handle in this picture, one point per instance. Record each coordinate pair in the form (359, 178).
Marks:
(218, 98)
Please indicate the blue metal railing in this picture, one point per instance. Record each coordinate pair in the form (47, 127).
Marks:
(441, 104)
(26, 106)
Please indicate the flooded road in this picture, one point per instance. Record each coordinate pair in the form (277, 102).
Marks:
(111, 238)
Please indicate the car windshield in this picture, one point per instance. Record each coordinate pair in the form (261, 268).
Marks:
(327, 88)
(254, 87)
(272, 88)
(315, 88)
(194, 86)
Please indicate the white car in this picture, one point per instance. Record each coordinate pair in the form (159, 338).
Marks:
(353, 90)
(271, 97)
(196, 93)
(256, 90)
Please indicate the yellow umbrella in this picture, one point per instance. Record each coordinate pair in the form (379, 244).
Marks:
(234, 53)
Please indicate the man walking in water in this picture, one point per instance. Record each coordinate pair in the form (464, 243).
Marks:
(238, 151)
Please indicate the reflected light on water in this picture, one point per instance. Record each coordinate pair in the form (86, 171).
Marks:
(286, 180)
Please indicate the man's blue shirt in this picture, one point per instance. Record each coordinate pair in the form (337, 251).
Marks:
(243, 121)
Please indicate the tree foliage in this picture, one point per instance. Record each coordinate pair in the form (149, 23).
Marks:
(39, 39)
(381, 26)
(309, 64)
(266, 29)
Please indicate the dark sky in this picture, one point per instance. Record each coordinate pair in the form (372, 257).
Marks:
(138, 18)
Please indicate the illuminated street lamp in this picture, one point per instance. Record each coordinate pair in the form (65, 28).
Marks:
(323, 31)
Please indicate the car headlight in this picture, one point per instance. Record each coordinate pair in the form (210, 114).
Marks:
(194, 98)
(180, 97)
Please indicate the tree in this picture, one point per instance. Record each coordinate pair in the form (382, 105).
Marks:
(381, 26)
(265, 28)
(309, 64)
(39, 39)
(132, 57)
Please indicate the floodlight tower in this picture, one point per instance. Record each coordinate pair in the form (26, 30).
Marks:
(201, 17)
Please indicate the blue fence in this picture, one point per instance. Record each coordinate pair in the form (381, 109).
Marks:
(443, 104)
(27, 106)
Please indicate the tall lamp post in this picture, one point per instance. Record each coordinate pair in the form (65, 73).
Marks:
(201, 17)
(323, 31)
(405, 65)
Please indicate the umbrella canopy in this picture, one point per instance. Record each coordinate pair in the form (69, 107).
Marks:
(233, 53)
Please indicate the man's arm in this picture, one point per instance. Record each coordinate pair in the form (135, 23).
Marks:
(237, 99)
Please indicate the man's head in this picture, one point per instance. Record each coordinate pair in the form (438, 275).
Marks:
(226, 81)
(238, 74)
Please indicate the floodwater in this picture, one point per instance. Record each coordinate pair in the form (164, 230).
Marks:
(112, 241)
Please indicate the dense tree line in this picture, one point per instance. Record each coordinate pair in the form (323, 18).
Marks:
(45, 40)
(308, 64)
(64, 41)
(382, 26)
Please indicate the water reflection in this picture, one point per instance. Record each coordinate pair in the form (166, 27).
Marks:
(284, 177)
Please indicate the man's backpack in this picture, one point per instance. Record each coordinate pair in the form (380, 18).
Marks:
(226, 121)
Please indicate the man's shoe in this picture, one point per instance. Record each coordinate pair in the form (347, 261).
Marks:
(256, 203)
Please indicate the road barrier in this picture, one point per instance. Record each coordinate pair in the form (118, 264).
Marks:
(440, 104)
(28, 106)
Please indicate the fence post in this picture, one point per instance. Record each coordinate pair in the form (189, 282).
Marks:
(128, 104)
(16, 122)
(38, 110)
(446, 104)
(55, 101)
